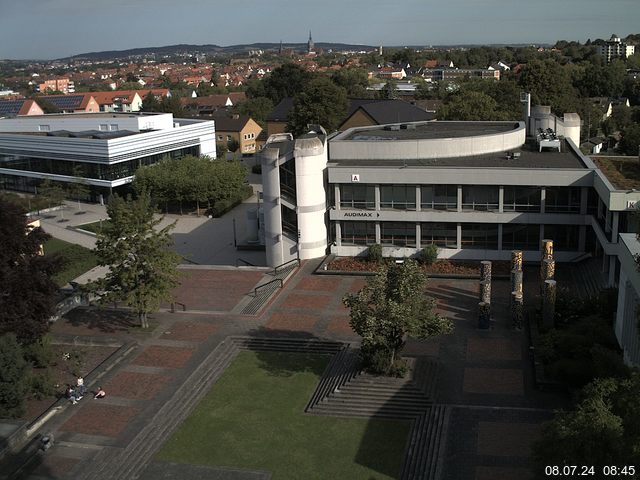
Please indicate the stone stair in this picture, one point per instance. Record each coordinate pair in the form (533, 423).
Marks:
(254, 302)
(426, 445)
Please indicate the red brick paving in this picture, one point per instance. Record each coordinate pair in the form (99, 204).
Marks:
(99, 418)
(217, 290)
(322, 284)
(136, 386)
(292, 321)
(297, 300)
(54, 466)
(506, 439)
(166, 357)
(189, 331)
(493, 349)
(498, 381)
(339, 325)
(502, 473)
(357, 285)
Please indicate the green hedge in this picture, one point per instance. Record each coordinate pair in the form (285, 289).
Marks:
(223, 206)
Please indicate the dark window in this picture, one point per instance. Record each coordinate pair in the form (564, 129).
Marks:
(358, 233)
(288, 179)
(399, 234)
(289, 222)
(520, 236)
(562, 200)
(358, 196)
(439, 197)
(480, 235)
(443, 235)
(592, 201)
(565, 237)
(399, 197)
(481, 198)
(521, 199)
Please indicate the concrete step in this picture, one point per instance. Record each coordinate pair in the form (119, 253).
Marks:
(347, 410)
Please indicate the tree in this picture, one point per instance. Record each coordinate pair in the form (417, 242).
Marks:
(233, 145)
(630, 142)
(150, 103)
(604, 428)
(142, 271)
(321, 102)
(285, 81)
(52, 192)
(13, 377)
(468, 106)
(391, 307)
(257, 108)
(354, 80)
(78, 188)
(389, 90)
(29, 295)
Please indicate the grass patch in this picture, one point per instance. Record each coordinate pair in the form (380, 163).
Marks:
(253, 419)
(94, 227)
(623, 173)
(78, 260)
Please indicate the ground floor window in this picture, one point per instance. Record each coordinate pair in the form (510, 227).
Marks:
(398, 234)
(480, 235)
(565, 237)
(520, 237)
(358, 233)
(444, 235)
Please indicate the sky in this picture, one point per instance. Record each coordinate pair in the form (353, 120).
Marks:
(48, 29)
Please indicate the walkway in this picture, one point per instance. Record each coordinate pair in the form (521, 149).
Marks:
(485, 376)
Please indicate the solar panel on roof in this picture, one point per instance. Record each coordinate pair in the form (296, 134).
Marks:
(66, 102)
(10, 107)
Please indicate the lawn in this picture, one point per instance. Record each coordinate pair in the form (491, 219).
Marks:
(253, 418)
(78, 260)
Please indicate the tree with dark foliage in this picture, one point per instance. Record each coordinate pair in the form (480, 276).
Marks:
(27, 291)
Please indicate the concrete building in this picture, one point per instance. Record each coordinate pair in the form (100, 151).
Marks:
(105, 148)
(63, 85)
(615, 48)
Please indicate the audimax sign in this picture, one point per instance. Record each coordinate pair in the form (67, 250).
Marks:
(360, 214)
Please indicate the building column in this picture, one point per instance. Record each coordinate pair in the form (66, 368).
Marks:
(336, 195)
(615, 220)
(418, 235)
(458, 236)
(377, 197)
(501, 199)
(459, 198)
(543, 199)
(584, 200)
(338, 231)
(418, 198)
(499, 237)
(378, 233)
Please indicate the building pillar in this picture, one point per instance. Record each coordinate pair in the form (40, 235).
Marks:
(336, 195)
(549, 303)
(543, 199)
(377, 197)
(501, 199)
(378, 233)
(499, 237)
(338, 230)
(418, 198)
(584, 200)
(418, 236)
(459, 198)
(458, 236)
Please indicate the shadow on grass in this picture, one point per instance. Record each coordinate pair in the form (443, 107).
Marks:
(102, 320)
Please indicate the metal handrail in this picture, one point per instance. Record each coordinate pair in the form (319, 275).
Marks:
(297, 260)
(245, 262)
(255, 290)
(173, 306)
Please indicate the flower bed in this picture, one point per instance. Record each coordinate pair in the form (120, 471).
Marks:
(442, 267)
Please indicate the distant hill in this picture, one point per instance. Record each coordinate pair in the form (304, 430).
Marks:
(209, 50)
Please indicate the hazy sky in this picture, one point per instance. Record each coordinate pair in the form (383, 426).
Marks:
(57, 28)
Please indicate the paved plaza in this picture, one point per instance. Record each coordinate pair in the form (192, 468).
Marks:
(485, 376)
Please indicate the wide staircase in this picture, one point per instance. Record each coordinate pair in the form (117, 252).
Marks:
(273, 281)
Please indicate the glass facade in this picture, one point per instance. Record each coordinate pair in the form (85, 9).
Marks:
(562, 200)
(439, 197)
(398, 234)
(398, 197)
(522, 199)
(480, 198)
(480, 236)
(358, 196)
(358, 233)
(565, 237)
(444, 235)
(520, 236)
(288, 179)
(289, 222)
(96, 171)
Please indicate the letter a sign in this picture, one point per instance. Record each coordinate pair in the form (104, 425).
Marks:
(355, 177)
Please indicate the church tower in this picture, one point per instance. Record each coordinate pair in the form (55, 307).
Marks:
(310, 46)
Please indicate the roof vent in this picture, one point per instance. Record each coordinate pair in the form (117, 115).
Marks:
(408, 126)
(394, 128)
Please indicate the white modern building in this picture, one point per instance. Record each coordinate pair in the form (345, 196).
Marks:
(615, 48)
(104, 148)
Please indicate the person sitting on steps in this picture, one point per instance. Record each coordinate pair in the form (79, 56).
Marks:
(100, 393)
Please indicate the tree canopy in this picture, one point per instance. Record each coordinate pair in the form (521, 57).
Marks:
(321, 102)
(389, 308)
(29, 294)
(287, 80)
(142, 269)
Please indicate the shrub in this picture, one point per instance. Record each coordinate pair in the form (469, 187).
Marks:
(223, 206)
(41, 385)
(429, 254)
(375, 253)
(13, 377)
(40, 353)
